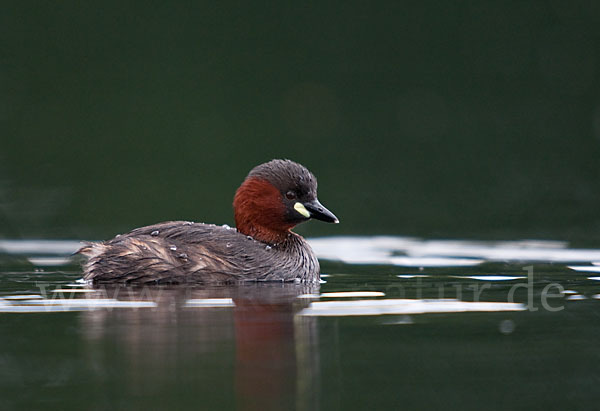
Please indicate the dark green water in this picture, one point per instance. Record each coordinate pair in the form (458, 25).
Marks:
(432, 118)
(505, 334)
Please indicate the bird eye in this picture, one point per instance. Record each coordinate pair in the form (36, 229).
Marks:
(290, 195)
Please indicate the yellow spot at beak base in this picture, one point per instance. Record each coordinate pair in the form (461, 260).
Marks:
(299, 207)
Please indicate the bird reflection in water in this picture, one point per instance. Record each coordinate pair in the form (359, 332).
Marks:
(246, 333)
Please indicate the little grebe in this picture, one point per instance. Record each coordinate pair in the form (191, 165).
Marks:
(274, 197)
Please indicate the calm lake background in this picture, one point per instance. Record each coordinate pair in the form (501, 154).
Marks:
(419, 118)
(436, 120)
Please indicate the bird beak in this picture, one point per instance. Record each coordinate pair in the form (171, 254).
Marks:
(317, 211)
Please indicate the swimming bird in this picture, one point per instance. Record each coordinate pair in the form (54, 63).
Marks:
(274, 198)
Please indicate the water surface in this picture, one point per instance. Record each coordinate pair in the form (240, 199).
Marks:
(396, 323)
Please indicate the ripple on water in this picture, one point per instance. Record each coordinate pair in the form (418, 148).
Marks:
(403, 306)
(585, 268)
(38, 304)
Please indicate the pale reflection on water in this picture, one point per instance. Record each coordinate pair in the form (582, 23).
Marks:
(415, 252)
